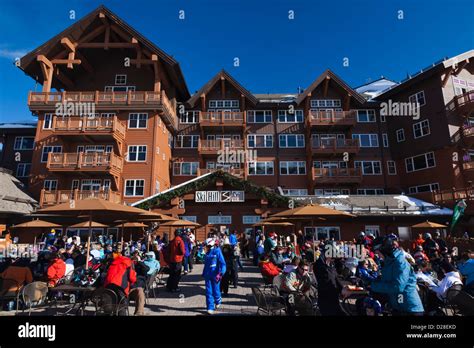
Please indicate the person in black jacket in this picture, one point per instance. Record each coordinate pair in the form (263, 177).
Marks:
(329, 285)
(231, 269)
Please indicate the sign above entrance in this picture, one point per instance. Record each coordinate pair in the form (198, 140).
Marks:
(219, 196)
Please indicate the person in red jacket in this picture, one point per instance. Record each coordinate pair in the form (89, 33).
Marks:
(268, 269)
(120, 276)
(56, 269)
(176, 255)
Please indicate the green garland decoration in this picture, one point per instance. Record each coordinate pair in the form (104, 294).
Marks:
(274, 198)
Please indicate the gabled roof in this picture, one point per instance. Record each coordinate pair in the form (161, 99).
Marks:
(225, 75)
(13, 198)
(76, 30)
(335, 78)
(374, 88)
(205, 180)
(436, 67)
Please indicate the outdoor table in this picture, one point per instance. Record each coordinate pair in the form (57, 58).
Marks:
(79, 303)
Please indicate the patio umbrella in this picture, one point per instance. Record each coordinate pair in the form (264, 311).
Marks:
(428, 224)
(94, 207)
(36, 224)
(180, 223)
(87, 224)
(132, 224)
(147, 216)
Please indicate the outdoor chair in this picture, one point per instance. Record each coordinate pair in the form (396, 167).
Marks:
(9, 289)
(449, 303)
(106, 302)
(268, 303)
(150, 286)
(33, 295)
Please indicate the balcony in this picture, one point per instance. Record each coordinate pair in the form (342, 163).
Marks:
(212, 147)
(94, 128)
(450, 197)
(332, 118)
(221, 119)
(337, 175)
(461, 104)
(468, 166)
(97, 162)
(48, 198)
(465, 136)
(238, 172)
(334, 146)
(137, 101)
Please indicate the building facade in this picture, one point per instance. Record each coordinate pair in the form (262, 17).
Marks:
(116, 121)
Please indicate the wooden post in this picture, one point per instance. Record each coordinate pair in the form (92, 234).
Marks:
(89, 241)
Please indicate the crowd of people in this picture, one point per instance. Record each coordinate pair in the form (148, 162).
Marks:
(308, 274)
(324, 272)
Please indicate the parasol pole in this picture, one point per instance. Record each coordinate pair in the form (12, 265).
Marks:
(89, 241)
(121, 240)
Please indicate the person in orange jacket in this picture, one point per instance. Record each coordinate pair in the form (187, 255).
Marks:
(418, 242)
(268, 268)
(18, 271)
(56, 269)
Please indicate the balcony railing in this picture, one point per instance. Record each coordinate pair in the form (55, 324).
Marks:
(221, 118)
(332, 117)
(465, 132)
(468, 165)
(334, 145)
(213, 146)
(337, 175)
(129, 99)
(85, 124)
(63, 196)
(460, 101)
(84, 161)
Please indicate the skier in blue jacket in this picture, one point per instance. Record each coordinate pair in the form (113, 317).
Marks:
(398, 280)
(214, 269)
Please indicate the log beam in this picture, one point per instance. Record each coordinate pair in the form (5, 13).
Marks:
(103, 45)
(448, 74)
(66, 61)
(93, 34)
(325, 87)
(85, 63)
(47, 70)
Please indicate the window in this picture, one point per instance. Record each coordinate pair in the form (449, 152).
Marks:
(24, 143)
(373, 229)
(259, 116)
(370, 191)
(424, 188)
(420, 162)
(366, 116)
(421, 129)
(75, 184)
(219, 219)
(185, 168)
(48, 121)
(50, 185)
(120, 79)
(187, 141)
(367, 140)
(417, 98)
(291, 140)
(382, 118)
(295, 192)
(369, 167)
(292, 167)
(325, 103)
(134, 187)
(23, 170)
(260, 140)
(191, 218)
(400, 135)
(385, 139)
(250, 219)
(284, 116)
(323, 232)
(223, 104)
(119, 88)
(48, 149)
(136, 153)
(260, 168)
(91, 184)
(137, 120)
(189, 117)
(391, 168)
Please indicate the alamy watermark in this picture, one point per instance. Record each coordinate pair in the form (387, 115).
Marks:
(67, 108)
(394, 108)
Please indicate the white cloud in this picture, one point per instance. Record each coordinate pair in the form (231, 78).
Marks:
(11, 54)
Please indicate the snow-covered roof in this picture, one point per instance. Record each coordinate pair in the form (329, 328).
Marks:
(382, 205)
(18, 125)
(276, 97)
(372, 89)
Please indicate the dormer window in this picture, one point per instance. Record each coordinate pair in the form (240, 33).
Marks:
(120, 80)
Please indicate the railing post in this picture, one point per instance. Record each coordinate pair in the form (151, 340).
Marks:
(41, 197)
(96, 97)
(75, 194)
(129, 97)
(79, 160)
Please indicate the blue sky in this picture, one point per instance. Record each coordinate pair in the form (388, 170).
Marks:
(276, 54)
